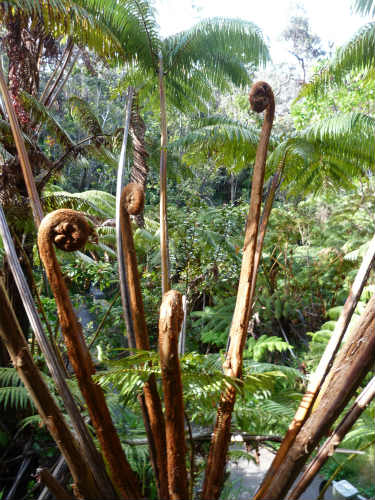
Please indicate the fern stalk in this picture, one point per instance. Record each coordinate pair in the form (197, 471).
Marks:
(124, 286)
(320, 374)
(132, 202)
(164, 252)
(69, 230)
(54, 364)
(261, 99)
(351, 365)
(16, 345)
(334, 440)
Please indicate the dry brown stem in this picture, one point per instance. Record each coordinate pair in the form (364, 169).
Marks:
(351, 365)
(57, 490)
(69, 230)
(261, 98)
(14, 340)
(322, 371)
(328, 448)
(170, 320)
(132, 201)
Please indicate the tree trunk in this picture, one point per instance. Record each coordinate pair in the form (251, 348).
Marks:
(352, 364)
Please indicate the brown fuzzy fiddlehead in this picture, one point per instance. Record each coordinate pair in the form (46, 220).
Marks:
(260, 96)
(72, 232)
(132, 202)
(69, 229)
(261, 99)
(133, 198)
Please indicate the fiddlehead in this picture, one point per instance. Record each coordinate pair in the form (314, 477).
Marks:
(69, 230)
(261, 99)
(132, 203)
(133, 198)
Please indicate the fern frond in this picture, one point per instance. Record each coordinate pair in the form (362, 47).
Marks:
(84, 115)
(15, 396)
(9, 376)
(75, 201)
(358, 55)
(41, 114)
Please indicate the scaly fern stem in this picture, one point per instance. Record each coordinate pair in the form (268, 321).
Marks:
(132, 201)
(261, 98)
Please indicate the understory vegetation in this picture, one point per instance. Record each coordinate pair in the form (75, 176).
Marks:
(321, 153)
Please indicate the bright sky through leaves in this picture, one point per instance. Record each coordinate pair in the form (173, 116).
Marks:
(332, 20)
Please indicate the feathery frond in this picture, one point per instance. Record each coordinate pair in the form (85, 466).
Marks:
(84, 115)
(357, 55)
(41, 114)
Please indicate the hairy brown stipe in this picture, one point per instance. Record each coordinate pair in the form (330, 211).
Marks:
(170, 321)
(132, 201)
(261, 99)
(64, 228)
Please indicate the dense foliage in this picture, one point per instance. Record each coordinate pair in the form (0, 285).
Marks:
(320, 225)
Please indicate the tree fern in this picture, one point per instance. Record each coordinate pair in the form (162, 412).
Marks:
(358, 55)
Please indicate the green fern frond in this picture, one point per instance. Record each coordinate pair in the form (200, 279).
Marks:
(84, 115)
(33, 420)
(207, 44)
(358, 55)
(15, 397)
(75, 201)
(9, 376)
(41, 114)
(256, 349)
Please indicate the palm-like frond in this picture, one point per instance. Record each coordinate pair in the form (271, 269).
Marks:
(77, 201)
(365, 7)
(84, 115)
(129, 26)
(329, 153)
(231, 140)
(222, 47)
(357, 55)
(41, 114)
